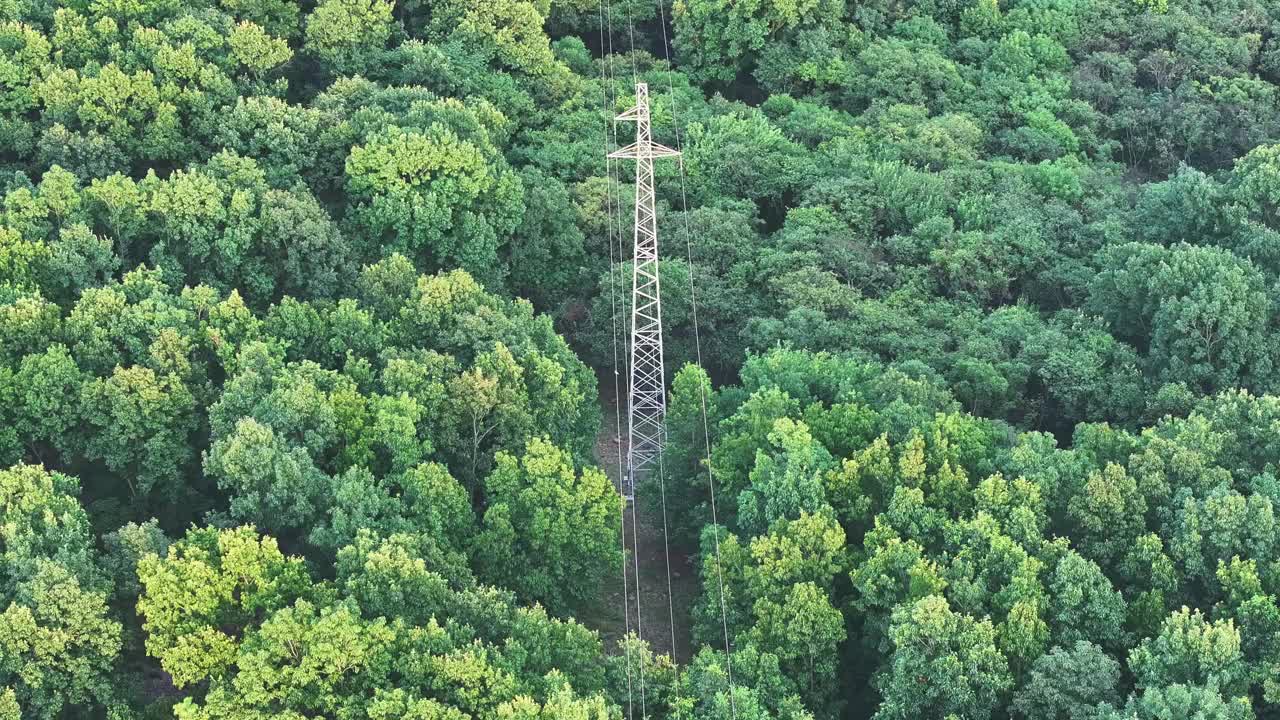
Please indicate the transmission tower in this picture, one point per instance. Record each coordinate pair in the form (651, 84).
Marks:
(647, 395)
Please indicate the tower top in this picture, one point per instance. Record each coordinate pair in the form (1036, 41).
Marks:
(644, 147)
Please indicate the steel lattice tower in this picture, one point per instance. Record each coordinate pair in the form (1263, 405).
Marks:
(647, 395)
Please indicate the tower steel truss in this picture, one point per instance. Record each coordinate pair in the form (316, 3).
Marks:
(647, 397)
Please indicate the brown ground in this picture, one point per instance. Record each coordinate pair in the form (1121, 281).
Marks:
(655, 612)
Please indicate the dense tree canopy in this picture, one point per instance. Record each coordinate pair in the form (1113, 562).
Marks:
(303, 306)
(996, 572)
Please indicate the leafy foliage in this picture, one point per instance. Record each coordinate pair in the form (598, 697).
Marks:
(293, 296)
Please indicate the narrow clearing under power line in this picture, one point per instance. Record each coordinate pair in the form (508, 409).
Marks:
(608, 618)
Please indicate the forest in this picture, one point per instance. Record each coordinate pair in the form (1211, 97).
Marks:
(312, 314)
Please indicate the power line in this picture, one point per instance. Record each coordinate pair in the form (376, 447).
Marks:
(647, 380)
(697, 343)
(629, 479)
(646, 396)
(666, 548)
(607, 86)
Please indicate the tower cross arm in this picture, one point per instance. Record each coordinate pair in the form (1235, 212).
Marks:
(635, 151)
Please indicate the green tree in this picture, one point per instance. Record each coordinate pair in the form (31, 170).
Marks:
(78, 259)
(743, 155)
(895, 572)
(720, 39)
(435, 196)
(425, 499)
(270, 483)
(546, 250)
(390, 638)
(1225, 524)
(125, 548)
(139, 425)
(206, 591)
(1107, 515)
(223, 222)
(1193, 651)
(1179, 702)
(1068, 684)
(805, 632)
(59, 643)
(810, 548)
(942, 664)
(548, 531)
(349, 37)
(1259, 622)
(1083, 605)
(48, 387)
(787, 482)
(1198, 313)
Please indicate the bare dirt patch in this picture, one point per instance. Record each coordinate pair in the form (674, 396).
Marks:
(657, 606)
